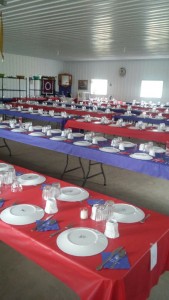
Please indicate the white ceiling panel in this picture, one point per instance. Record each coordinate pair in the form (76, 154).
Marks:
(87, 29)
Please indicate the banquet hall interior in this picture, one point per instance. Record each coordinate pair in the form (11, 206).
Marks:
(120, 44)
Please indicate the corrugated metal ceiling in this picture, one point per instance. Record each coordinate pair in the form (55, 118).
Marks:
(87, 29)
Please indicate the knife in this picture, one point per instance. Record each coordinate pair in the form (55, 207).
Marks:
(99, 267)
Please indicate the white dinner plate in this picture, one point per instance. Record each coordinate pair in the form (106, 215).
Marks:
(158, 149)
(82, 241)
(100, 138)
(4, 126)
(126, 213)
(82, 143)
(37, 134)
(141, 155)
(18, 130)
(22, 214)
(80, 120)
(77, 134)
(73, 194)
(31, 179)
(58, 138)
(109, 149)
(4, 167)
(37, 127)
(128, 144)
(156, 130)
(58, 117)
(114, 125)
(133, 127)
(56, 130)
(97, 122)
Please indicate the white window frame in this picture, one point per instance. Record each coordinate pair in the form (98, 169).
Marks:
(96, 87)
(151, 89)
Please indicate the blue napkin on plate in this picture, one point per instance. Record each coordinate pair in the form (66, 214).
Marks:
(95, 201)
(123, 263)
(2, 201)
(47, 225)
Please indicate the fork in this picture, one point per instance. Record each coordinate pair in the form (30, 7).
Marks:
(60, 230)
(117, 258)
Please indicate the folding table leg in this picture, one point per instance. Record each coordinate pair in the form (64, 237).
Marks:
(66, 170)
(6, 145)
(96, 174)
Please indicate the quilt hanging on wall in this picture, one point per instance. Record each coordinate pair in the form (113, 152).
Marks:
(48, 86)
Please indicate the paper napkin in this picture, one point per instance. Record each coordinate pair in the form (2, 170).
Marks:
(2, 201)
(95, 201)
(123, 263)
(47, 225)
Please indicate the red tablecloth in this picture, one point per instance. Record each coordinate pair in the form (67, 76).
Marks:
(78, 112)
(161, 137)
(79, 272)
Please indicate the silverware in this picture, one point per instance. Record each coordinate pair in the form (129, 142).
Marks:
(117, 258)
(60, 230)
(113, 253)
(145, 218)
(36, 227)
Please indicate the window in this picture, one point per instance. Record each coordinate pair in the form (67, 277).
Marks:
(99, 87)
(151, 89)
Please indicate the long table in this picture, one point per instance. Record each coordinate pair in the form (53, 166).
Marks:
(79, 273)
(146, 119)
(67, 109)
(35, 116)
(147, 134)
(156, 168)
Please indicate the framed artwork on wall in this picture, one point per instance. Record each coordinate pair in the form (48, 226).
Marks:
(83, 85)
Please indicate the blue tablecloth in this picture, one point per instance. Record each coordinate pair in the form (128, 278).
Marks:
(27, 115)
(120, 160)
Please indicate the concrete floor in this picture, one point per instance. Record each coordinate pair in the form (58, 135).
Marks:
(22, 279)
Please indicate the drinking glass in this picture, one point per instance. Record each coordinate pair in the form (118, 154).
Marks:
(46, 192)
(16, 186)
(56, 189)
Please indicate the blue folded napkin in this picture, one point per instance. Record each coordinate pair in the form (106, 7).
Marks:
(2, 201)
(123, 263)
(43, 185)
(18, 173)
(47, 225)
(95, 201)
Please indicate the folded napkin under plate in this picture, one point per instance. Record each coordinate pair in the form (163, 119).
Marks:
(95, 201)
(47, 225)
(116, 262)
(2, 201)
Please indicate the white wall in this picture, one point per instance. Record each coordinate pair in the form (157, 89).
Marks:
(123, 88)
(28, 66)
